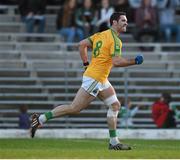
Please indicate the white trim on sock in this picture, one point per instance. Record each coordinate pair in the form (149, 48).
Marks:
(42, 119)
(114, 140)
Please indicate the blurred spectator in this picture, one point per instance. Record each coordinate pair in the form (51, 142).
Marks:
(176, 111)
(137, 3)
(32, 13)
(86, 17)
(146, 22)
(127, 113)
(104, 15)
(123, 6)
(66, 24)
(168, 25)
(162, 115)
(161, 3)
(24, 121)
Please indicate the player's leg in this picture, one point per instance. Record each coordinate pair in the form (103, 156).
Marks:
(81, 101)
(108, 95)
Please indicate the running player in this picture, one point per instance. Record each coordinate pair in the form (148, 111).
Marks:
(106, 53)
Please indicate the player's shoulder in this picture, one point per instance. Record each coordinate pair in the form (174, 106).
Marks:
(103, 32)
(109, 34)
(106, 35)
(106, 32)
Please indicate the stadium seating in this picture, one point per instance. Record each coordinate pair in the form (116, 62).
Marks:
(43, 73)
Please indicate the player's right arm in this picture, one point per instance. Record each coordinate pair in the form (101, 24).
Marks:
(83, 45)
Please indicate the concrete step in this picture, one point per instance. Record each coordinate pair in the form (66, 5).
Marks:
(21, 89)
(23, 96)
(12, 27)
(8, 64)
(12, 55)
(14, 73)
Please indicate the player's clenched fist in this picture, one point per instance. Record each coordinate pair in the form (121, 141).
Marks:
(85, 65)
(139, 59)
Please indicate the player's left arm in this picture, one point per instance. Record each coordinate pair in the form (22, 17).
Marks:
(83, 46)
(119, 61)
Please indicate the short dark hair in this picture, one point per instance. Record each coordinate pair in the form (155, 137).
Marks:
(167, 97)
(116, 16)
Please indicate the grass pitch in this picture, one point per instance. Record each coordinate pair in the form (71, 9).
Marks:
(86, 149)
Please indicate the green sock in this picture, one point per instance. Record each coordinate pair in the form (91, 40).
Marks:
(112, 133)
(49, 115)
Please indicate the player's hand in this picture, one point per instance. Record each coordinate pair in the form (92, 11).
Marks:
(86, 65)
(139, 59)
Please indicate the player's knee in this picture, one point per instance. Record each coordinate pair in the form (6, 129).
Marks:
(113, 102)
(114, 105)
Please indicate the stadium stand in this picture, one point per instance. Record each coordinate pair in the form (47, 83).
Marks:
(43, 74)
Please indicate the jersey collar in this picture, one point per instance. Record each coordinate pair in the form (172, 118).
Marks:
(115, 32)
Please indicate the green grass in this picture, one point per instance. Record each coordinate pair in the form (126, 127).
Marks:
(86, 148)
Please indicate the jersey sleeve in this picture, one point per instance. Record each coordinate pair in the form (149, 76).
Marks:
(91, 38)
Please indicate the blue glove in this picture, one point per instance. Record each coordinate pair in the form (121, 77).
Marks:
(139, 59)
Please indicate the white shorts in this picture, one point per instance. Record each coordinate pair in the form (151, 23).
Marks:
(92, 86)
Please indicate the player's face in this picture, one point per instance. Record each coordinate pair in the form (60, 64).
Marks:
(122, 23)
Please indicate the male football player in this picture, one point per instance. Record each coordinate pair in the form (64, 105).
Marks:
(106, 53)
